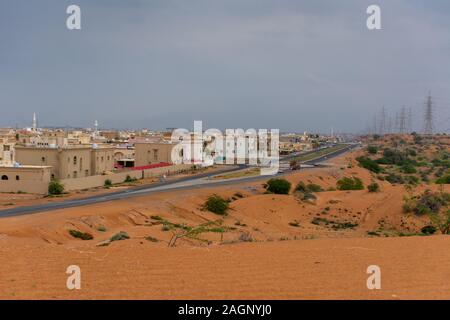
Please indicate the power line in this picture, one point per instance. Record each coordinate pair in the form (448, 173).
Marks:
(428, 117)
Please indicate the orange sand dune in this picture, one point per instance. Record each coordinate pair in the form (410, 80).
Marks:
(411, 268)
(290, 256)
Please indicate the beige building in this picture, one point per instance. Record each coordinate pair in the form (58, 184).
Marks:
(152, 153)
(6, 152)
(29, 179)
(124, 156)
(69, 162)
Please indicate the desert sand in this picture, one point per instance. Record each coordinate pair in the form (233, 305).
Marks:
(288, 256)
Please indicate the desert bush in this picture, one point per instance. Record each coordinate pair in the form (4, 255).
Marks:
(428, 230)
(129, 179)
(301, 187)
(314, 188)
(428, 203)
(55, 187)
(372, 149)
(369, 164)
(395, 178)
(373, 187)
(441, 221)
(444, 180)
(394, 157)
(81, 235)
(353, 183)
(122, 235)
(151, 239)
(412, 180)
(108, 183)
(216, 204)
(412, 152)
(408, 168)
(311, 187)
(278, 186)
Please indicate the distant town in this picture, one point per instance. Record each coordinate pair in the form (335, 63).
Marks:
(32, 157)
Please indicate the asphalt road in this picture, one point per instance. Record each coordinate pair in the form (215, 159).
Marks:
(198, 181)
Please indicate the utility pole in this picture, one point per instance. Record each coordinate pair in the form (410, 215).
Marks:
(383, 121)
(402, 121)
(428, 117)
(410, 120)
(397, 122)
(389, 126)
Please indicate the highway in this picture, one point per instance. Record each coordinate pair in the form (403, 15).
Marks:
(198, 181)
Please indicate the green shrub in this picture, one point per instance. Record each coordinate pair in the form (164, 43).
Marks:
(443, 180)
(412, 179)
(373, 187)
(369, 164)
(216, 204)
(394, 157)
(301, 187)
(314, 188)
(122, 235)
(427, 203)
(428, 230)
(395, 178)
(278, 186)
(412, 152)
(151, 239)
(311, 187)
(108, 183)
(129, 179)
(372, 149)
(55, 188)
(81, 235)
(350, 184)
(408, 168)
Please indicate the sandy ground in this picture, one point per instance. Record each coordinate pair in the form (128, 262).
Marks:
(411, 268)
(285, 260)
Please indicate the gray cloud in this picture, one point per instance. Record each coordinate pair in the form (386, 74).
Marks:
(293, 65)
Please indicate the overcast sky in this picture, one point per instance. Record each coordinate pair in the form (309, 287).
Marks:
(289, 64)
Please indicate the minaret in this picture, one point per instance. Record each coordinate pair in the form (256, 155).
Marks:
(34, 122)
(96, 128)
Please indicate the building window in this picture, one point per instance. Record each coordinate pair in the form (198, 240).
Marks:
(17, 178)
(103, 159)
(4, 177)
(155, 154)
(74, 174)
(43, 159)
(86, 173)
(6, 148)
(75, 160)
